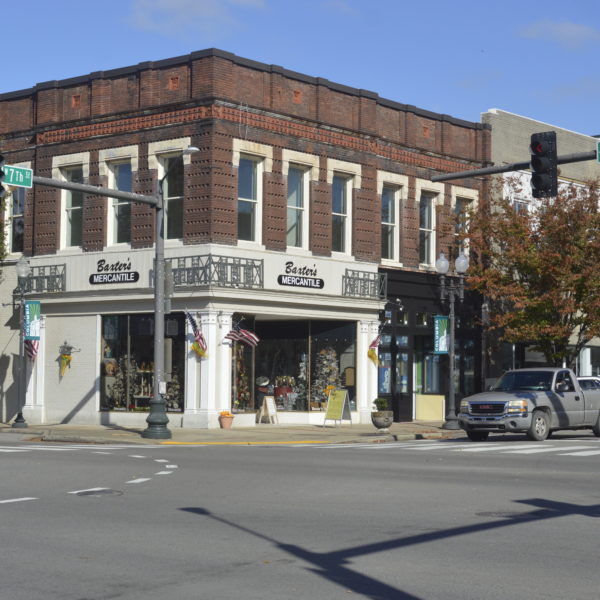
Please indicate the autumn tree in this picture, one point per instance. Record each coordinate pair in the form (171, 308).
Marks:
(539, 269)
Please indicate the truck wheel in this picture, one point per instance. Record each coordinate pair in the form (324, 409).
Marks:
(540, 426)
(596, 427)
(478, 436)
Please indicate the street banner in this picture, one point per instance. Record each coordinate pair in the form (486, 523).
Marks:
(441, 338)
(32, 319)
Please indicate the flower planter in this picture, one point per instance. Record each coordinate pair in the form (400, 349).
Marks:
(226, 422)
(382, 419)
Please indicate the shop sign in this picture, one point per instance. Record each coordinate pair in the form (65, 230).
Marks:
(296, 276)
(117, 272)
(441, 337)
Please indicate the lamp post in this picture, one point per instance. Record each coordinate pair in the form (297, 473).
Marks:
(23, 271)
(157, 419)
(455, 288)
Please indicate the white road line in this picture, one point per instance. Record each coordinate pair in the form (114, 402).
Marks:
(7, 450)
(139, 480)
(136, 456)
(17, 500)
(538, 450)
(163, 473)
(171, 466)
(96, 489)
(583, 453)
(436, 446)
(493, 447)
(161, 460)
(100, 452)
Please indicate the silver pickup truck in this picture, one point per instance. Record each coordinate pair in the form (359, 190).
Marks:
(534, 401)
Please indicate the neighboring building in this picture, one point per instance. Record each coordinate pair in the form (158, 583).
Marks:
(511, 136)
(275, 224)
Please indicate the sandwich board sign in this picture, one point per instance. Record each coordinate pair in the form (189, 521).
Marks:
(338, 407)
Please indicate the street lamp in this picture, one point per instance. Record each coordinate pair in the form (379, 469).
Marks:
(157, 419)
(23, 271)
(454, 289)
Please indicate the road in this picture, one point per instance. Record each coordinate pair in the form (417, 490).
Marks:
(421, 520)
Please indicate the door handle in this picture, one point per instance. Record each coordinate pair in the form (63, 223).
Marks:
(577, 398)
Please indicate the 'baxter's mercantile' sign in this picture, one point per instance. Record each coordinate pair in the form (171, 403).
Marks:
(300, 277)
(117, 272)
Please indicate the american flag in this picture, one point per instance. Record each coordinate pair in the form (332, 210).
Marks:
(242, 335)
(31, 348)
(199, 345)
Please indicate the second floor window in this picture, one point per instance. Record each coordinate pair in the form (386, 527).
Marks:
(73, 208)
(388, 222)
(248, 198)
(16, 218)
(296, 209)
(340, 214)
(121, 209)
(426, 229)
(461, 215)
(173, 195)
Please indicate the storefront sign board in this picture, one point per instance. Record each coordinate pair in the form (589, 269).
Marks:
(338, 407)
(268, 410)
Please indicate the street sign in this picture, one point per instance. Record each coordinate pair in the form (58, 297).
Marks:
(18, 176)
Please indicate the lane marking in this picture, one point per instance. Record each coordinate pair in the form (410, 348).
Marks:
(136, 456)
(493, 448)
(171, 466)
(163, 473)
(161, 460)
(17, 500)
(139, 480)
(96, 489)
(7, 450)
(585, 453)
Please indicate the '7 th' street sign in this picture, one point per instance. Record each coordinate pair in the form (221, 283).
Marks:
(18, 176)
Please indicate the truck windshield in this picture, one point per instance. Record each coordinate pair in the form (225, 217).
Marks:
(524, 380)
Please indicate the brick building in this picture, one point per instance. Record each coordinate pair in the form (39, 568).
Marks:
(304, 200)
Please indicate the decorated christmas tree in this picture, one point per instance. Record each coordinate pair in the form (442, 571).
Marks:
(326, 374)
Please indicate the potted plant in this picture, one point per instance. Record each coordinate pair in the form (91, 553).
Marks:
(225, 419)
(382, 417)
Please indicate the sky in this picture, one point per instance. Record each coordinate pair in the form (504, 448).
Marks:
(539, 59)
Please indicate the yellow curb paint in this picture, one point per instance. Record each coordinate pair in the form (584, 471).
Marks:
(242, 443)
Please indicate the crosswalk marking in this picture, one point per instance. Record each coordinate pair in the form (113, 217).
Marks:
(11, 500)
(546, 449)
(584, 453)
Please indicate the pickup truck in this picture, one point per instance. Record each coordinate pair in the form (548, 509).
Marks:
(534, 401)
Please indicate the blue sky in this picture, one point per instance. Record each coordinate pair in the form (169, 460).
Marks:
(539, 59)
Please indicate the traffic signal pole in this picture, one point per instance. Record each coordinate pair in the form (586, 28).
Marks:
(561, 160)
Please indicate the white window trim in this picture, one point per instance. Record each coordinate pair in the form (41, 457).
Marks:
(263, 155)
(65, 161)
(157, 152)
(468, 194)
(353, 171)
(310, 163)
(400, 182)
(7, 217)
(437, 189)
(106, 158)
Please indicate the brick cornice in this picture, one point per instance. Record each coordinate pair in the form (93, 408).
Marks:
(261, 121)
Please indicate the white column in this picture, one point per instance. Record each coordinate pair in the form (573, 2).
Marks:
(585, 362)
(366, 371)
(224, 365)
(208, 366)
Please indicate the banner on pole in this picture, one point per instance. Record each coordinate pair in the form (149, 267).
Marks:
(441, 337)
(32, 319)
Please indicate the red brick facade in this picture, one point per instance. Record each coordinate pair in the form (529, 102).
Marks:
(213, 97)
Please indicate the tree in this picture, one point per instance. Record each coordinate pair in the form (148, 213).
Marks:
(539, 269)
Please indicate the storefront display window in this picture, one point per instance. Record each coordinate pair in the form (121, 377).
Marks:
(127, 369)
(428, 366)
(297, 363)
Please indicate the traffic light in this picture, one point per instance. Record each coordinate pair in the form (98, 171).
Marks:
(2, 188)
(544, 172)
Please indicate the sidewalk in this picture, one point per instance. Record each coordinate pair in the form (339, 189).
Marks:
(261, 434)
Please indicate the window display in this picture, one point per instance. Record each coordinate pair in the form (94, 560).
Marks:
(127, 369)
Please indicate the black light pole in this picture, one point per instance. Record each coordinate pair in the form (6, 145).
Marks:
(23, 272)
(454, 289)
(157, 419)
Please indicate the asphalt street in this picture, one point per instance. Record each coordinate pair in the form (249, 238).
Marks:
(422, 519)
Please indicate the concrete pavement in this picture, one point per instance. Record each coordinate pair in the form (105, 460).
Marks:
(260, 434)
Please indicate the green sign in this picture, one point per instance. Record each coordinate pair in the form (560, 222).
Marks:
(441, 338)
(598, 152)
(32, 319)
(18, 176)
